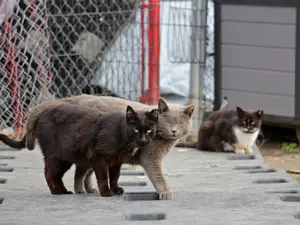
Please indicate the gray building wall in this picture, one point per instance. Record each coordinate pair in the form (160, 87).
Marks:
(258, 58)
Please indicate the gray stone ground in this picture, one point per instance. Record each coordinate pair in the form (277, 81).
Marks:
(208, 190)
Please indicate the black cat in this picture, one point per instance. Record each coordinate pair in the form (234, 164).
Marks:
(72, 134)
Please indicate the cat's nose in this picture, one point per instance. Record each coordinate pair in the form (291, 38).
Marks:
(174, 130)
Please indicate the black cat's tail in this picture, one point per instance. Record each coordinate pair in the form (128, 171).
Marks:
(187, 145)
(13, 143)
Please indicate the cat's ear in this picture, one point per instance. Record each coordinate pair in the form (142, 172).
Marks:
(130, 114)
(240, 112)
(259, 113)
(189, 110)
(162, 106)
(153, 115)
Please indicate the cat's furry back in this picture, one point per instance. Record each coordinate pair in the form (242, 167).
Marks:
(108, 104)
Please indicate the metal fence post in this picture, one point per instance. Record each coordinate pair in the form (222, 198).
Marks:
(198, 50)
(154, 51)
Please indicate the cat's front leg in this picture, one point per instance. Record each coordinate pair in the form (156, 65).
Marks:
(243, 150)
(114, 175)
(153, 168)
(240, 151)
(100, 167)
(249, 150)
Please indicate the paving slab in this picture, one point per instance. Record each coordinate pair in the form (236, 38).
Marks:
(209, 189)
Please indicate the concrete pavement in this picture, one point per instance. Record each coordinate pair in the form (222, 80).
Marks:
(209, 189)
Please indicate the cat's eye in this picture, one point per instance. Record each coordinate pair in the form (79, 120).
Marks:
(244, 122)
(136, 131)
(149, 131)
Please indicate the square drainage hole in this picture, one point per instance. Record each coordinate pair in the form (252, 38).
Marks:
(270, 181)
(1, 200)
(297, 216)
(6, 157)
(290, 198)
(143, 217)
(262, 171)
(141, 196)
(247, 168)
(241, 157)
(3, 169)
(2, 181)
(283, 192)
(132, 173)
(9, 149)
(133, 183)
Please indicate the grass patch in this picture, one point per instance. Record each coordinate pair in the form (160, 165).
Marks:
(291, 147)
(295, 176)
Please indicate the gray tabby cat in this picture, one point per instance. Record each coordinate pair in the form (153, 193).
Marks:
(174, 122)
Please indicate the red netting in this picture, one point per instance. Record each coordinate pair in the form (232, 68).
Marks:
(24, 59)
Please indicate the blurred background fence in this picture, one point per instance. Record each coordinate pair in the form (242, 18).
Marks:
(133, 49)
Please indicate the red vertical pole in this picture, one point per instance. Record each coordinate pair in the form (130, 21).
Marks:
(154, 52)
(143, 95)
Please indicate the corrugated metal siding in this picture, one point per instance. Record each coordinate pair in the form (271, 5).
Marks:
(258, 58)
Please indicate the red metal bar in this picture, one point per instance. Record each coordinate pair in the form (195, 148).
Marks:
(154, 52)
(143, 97)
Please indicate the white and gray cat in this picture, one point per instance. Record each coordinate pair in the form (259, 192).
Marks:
(228, 130)
(174, 122)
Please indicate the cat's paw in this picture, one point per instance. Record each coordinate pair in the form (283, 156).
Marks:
(107, 193)
(118, 191)
(92, 191)
(165, 195)
(228, 147)
(248, 150)
(240, 151)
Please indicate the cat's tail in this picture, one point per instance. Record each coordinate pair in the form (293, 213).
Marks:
(187, 145)
(30, 127)
(13, 143)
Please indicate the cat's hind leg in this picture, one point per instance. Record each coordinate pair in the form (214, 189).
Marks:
(88, 183)
(204, 134)
(54, 172)
(114, 175)
(228, 147)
